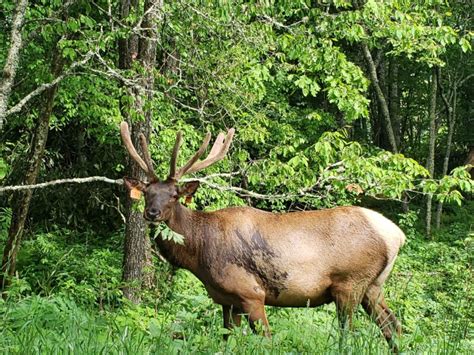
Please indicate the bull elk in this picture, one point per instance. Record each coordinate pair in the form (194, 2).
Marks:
(248, 258)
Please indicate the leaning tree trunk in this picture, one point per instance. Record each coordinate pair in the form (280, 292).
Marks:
(137, 260)
(431, 147)
(11, 63)
(22, 199)
(380, 97)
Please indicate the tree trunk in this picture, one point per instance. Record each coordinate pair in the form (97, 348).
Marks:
(394, 101)
(381, 64)
(470, 161)
(137, 261)
(11, 63)
(22, 199)
(394, 105)
(431, 147)
(451, 119)
(380, 97)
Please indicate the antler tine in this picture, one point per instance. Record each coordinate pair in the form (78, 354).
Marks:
(127, 141)
(218, 151)
(174, 155)
(147, 158)
(218, 143)
(183, 170)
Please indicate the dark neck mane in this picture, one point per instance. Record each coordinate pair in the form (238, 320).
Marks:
(185, 222)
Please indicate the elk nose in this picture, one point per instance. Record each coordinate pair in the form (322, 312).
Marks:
(152, 213)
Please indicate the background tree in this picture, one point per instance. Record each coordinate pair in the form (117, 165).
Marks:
(11, 63)
(138, 53)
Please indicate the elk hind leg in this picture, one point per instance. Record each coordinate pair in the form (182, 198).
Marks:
(374, 304)
(346, 302)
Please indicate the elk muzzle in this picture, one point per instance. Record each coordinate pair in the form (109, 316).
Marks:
(153, 214)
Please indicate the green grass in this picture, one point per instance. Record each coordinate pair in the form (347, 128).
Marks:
(56, 325)
(188, 322)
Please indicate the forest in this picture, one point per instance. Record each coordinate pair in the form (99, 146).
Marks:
(334, 103)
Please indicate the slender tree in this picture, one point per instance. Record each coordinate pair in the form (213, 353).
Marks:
(430, 161)
(22, 199)
(450, 102)
(11, 64)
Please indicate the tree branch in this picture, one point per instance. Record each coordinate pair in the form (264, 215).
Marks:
(17, 108)
(61, 181)
(204, 180)
(463, 80)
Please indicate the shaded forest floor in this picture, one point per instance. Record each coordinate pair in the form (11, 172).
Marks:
(67, 299)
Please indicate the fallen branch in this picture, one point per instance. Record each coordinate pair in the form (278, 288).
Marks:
(62, 181)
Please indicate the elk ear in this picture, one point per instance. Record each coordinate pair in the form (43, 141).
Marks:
(188, 190)
(135, 187)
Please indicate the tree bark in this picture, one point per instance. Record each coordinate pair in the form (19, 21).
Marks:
(22, 199)
(11, 64)
(137, 262)
(380, 97)
(431, 147)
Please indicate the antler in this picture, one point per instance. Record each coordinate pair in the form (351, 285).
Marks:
(218, 152)
(147, 165)
(174, 155)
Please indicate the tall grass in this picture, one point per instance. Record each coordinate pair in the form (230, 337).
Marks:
(56, 325)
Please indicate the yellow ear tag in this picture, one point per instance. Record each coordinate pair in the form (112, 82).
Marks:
(188, 200)
(135, 194)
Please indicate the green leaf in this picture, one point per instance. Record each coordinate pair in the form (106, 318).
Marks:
(3, 168)
(465, 44)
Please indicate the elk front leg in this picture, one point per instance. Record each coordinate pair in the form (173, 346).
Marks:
(232, 317)
(256, 312)
(346, 297)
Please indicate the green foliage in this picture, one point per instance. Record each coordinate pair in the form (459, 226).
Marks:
(290, 77)
(54, 263)
(5, 220)
(449, 188)
(3, 169)
(286, 75)
(164, 232)
(436, 281)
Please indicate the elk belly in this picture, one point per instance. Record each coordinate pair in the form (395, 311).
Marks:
(302, 291)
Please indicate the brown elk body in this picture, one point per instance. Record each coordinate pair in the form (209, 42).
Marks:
(248, 258)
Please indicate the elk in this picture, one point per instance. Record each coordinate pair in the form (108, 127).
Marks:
(248, 258)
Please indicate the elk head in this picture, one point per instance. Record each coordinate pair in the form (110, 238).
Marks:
(162, 196)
